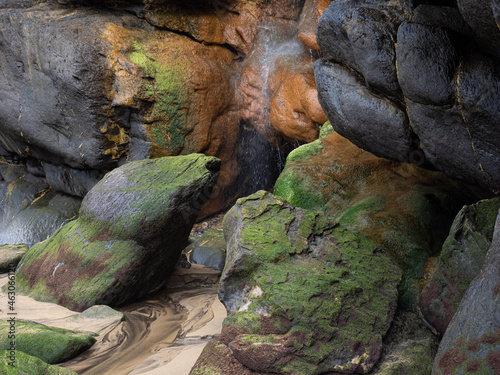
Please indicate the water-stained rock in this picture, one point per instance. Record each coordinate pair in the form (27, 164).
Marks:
(303, 294)
(403, 208)
(50, 344)
(10, 256)
(471, 343)
(459, 262)
(132, 227)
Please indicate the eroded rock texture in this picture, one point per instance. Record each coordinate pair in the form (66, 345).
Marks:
(303, 294)
(87, 86)
(416, 83)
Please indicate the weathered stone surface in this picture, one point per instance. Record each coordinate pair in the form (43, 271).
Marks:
(41, 219)
(308, 23)
(27, 364)
(362, 35)
(459, 262)
(10, 255)
(403, 208)
(132, 227)
(292, 286)
(360, 115)
(471, 343)
(441, 76)
(50, 344)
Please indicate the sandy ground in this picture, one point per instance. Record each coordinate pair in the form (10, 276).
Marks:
(161, 335)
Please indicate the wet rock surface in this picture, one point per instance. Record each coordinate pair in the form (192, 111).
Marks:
(132, 228)
(290, 286)
(435, 66)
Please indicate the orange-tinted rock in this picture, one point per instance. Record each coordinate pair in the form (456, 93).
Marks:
(234, 23)
(295, 109)
(312, 11)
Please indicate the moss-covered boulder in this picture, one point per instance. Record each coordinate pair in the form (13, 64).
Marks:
(460, 261)
(25, 364)
(10, 255)
(303, 294)
(403, 208)
(131, 230)
(50, 344)
(471, 344)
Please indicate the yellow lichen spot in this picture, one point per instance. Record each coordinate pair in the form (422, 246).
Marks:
(10, 188)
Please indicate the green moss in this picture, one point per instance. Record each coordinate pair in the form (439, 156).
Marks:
(358, 216)
(169, 92)
(290, 186)
(26, 364)
(206, 370)
(326, 130)
(306, 150)
(345, 279)
(50, 344)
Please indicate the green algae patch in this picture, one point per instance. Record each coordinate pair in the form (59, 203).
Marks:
(164, 84)
(326, 130)
(50, 344)
(26, 364)
(337, 290)
(402, 208)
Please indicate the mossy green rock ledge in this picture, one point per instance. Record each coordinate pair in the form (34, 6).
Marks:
(131, 230)
(304, 295)
(50, 344)
(25, 364)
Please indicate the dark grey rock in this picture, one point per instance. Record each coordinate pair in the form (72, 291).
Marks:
(482, 16)
(366, 119)
(209, 257)
(427, 62)
(362, 35)
(471, 343)
(71, 181)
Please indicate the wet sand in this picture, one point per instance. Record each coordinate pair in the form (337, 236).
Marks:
(161, 335)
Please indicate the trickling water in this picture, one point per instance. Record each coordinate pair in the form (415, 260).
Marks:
(261, 149)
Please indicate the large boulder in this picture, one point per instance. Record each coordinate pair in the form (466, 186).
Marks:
(459, 262)
(303, 294)
(131, 230)
(471, 343)
(403, 208)
(418, 84)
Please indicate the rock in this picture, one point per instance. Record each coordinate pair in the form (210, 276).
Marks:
(42, 218)
(326, 130)
(50, 344)
(405, 209)
(295, 109)
(409, 347)
(483, 17)
(132, 227)
(27, 364)
(430, 99)
(209, 257)
(10, 255)
(358, 114)
(362, 35)
(303, 294)
(471, 343)
(459, 262)
(308, 23)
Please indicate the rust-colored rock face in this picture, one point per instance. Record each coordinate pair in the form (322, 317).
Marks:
(312, 11)
(295, 109)
(134, 80)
